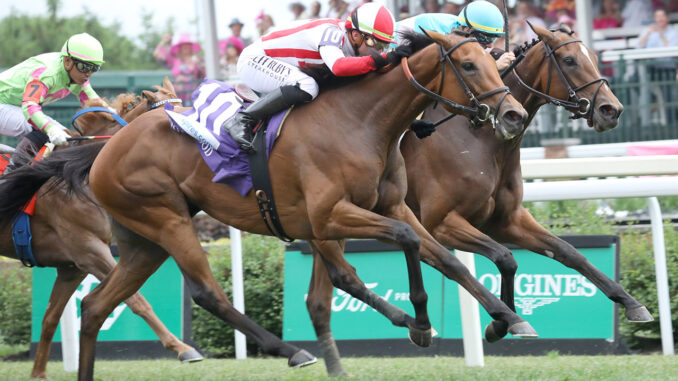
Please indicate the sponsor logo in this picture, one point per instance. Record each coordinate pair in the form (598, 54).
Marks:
(531, 290)
(85, 288)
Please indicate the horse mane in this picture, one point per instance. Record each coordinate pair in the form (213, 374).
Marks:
(411, 42)
(522, 49)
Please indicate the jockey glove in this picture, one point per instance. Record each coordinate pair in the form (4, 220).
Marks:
(422, 128)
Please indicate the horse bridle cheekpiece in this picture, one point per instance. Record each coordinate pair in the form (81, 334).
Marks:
(478, 112)
(581, 106)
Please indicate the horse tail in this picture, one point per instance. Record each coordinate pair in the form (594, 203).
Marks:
(69, 166)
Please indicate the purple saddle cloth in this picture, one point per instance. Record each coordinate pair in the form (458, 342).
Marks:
(213, 103)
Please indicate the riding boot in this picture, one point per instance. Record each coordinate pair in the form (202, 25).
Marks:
(241, 125)
(27, 148)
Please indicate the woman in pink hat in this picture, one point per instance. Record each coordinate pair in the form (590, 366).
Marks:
(183, 60)
(230, 50)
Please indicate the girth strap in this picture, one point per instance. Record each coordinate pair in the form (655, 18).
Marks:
(261, 181)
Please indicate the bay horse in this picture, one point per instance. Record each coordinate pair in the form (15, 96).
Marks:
(333, 173)
(442, 168)
(74, 236)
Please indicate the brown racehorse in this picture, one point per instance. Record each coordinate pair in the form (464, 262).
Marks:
(74, 237)
(333, 174)
(442, 168)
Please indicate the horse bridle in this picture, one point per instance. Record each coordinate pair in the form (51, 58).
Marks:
(581, 105)
(478, 112)
(114, 114)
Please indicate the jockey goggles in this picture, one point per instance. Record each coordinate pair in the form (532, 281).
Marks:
(374, 43)
(85, 67)
(484, 38)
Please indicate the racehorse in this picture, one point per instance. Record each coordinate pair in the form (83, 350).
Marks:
(442, 168)
(74, 237)
(332, 171)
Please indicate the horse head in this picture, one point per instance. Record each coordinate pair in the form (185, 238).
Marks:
(127, 106)
(570, 78)
(481, 85)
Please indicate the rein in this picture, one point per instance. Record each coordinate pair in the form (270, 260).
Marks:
(115, 116)
(573, 101)
(478, 112)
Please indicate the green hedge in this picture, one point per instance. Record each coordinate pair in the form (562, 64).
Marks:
(15, 304)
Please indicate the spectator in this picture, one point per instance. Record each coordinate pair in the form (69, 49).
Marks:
(431, 6)
(314, 10)
(557, 8)
(184, 62)
(339, 9)
(564, 20)
(609, 15)
(637, 13)
(264, 23)
(297, 10)
(453, 7)
(519, 30)
(230, 50)
(236, 28)
(660, 35)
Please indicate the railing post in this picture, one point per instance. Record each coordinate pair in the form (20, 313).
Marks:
(470, 317)
(661, 275)
(238, 289)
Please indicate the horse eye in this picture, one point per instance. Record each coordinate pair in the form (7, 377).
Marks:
(569, 61)
(468, 66)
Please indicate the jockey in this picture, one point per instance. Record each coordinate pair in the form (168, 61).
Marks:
(482, 19)
(44, 79)
(272, 64)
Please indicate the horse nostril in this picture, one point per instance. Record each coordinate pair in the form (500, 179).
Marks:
(608, 111)
(513, 117)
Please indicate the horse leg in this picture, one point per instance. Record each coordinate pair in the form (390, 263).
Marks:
(178, 238)
(525, 231)
(138, 260)
(67, 281)
(456, 232)
(319, 302)
(98, 261)
(348, 220)
(439, 257)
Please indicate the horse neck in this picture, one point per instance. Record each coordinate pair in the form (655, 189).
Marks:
(139, 109)
(393, 103)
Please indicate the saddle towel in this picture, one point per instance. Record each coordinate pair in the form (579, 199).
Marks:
(213, 103)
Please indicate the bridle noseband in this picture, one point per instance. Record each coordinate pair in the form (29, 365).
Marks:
(478, 112)
(573, 102)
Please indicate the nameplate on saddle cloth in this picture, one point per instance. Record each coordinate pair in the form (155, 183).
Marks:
(214, 102)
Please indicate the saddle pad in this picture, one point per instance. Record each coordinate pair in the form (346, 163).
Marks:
(213, 103)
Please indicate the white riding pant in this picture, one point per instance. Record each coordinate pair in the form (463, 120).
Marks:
(265, 74)
(13, 122)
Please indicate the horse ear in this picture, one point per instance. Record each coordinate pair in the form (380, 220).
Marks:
(168, 85)
(148, 95)
(543, 33)
(435, 36)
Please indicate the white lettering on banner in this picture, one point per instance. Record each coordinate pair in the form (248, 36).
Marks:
(536, 290)
(88, 284)
(343, 301)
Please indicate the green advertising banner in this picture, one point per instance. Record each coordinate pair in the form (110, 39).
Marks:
(164, 290)
(557, 301)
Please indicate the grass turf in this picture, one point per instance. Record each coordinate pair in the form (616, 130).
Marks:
(544, 368)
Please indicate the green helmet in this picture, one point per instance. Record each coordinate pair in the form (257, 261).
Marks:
(84, 47)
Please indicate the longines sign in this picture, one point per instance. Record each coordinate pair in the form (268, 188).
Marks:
(559, 302)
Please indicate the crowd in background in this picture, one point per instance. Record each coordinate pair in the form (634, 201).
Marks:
(182, 54)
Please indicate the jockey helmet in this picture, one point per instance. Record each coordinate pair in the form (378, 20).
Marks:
(373, 19)
(485, 19)
(83, 47)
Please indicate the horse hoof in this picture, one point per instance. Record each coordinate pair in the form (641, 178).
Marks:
(639, 315)
(190, 355)
(421, 337)
(301, 359)
(523, 329)
(495, 331)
